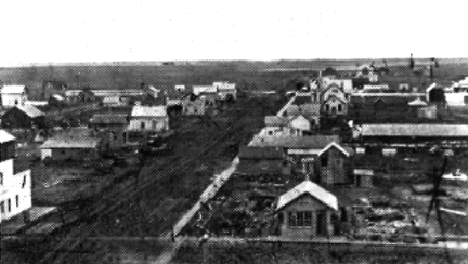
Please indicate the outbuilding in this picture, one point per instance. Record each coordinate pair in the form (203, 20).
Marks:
(23, 116)
(72, 145)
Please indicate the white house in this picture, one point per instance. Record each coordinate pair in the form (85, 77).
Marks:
(226, 90)
(14, 94)
(15, 188)
(345, 84)
(381, 87)
(456, 99)
(149, 119)
(299, 125)
(204, 89)
(179, 87)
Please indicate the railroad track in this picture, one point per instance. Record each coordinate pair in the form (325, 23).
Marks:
(112, 200)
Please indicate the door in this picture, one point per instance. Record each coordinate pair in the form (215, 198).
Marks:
(321, 225)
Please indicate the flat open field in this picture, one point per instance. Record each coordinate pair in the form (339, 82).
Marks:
(274, 75)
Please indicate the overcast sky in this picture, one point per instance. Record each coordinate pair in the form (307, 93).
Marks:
(107, 31)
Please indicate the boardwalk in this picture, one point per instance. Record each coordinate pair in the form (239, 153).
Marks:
(290, 102)
(209, 193)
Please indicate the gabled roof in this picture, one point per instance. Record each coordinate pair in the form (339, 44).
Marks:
(334, 97)
(300, 122)
(148, 111)
(251, 152)
(308, 188)
(295, 141)
(424, 130)
(73, 138)
(275, 121)
(30, 110)
(58, 97)
(334, 144)
(6, 137)
(204, 89)
(13, 89)
(417, 102)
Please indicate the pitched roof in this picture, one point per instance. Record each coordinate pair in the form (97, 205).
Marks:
(109, 119)
(58, 97)
(148, 111)
(308, 188)
(295, 141)
(345, 151)
(422, 130)
(204, 89)
(74, 138)
(13, 89)
(417, 102)
(274, 121)
(6, 137)
(30, 110)
(251, 152)
(300, 122)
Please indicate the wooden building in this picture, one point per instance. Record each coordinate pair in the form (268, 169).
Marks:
(306, 211)
(23, 116)
(15, 187)
(112, 129)
(149, 119)
(262, 164)
(319, 156)
(75, 144)
(13, 94)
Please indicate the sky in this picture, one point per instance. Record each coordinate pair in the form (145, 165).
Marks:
(43, 32)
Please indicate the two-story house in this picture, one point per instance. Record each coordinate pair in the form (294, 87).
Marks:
(335, 100)
(13, 94)
(150, 119)
(15, 188)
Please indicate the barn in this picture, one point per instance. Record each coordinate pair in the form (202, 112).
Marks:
(27, 116)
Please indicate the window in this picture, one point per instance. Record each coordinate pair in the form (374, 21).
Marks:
(327, 108)
(124, 137)
(2, 207)
(142, 125)
(344, 216)
(324, 160)
(17, 201)
(9, 205)
(300, 219)
(340, 108)
(1, 178)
